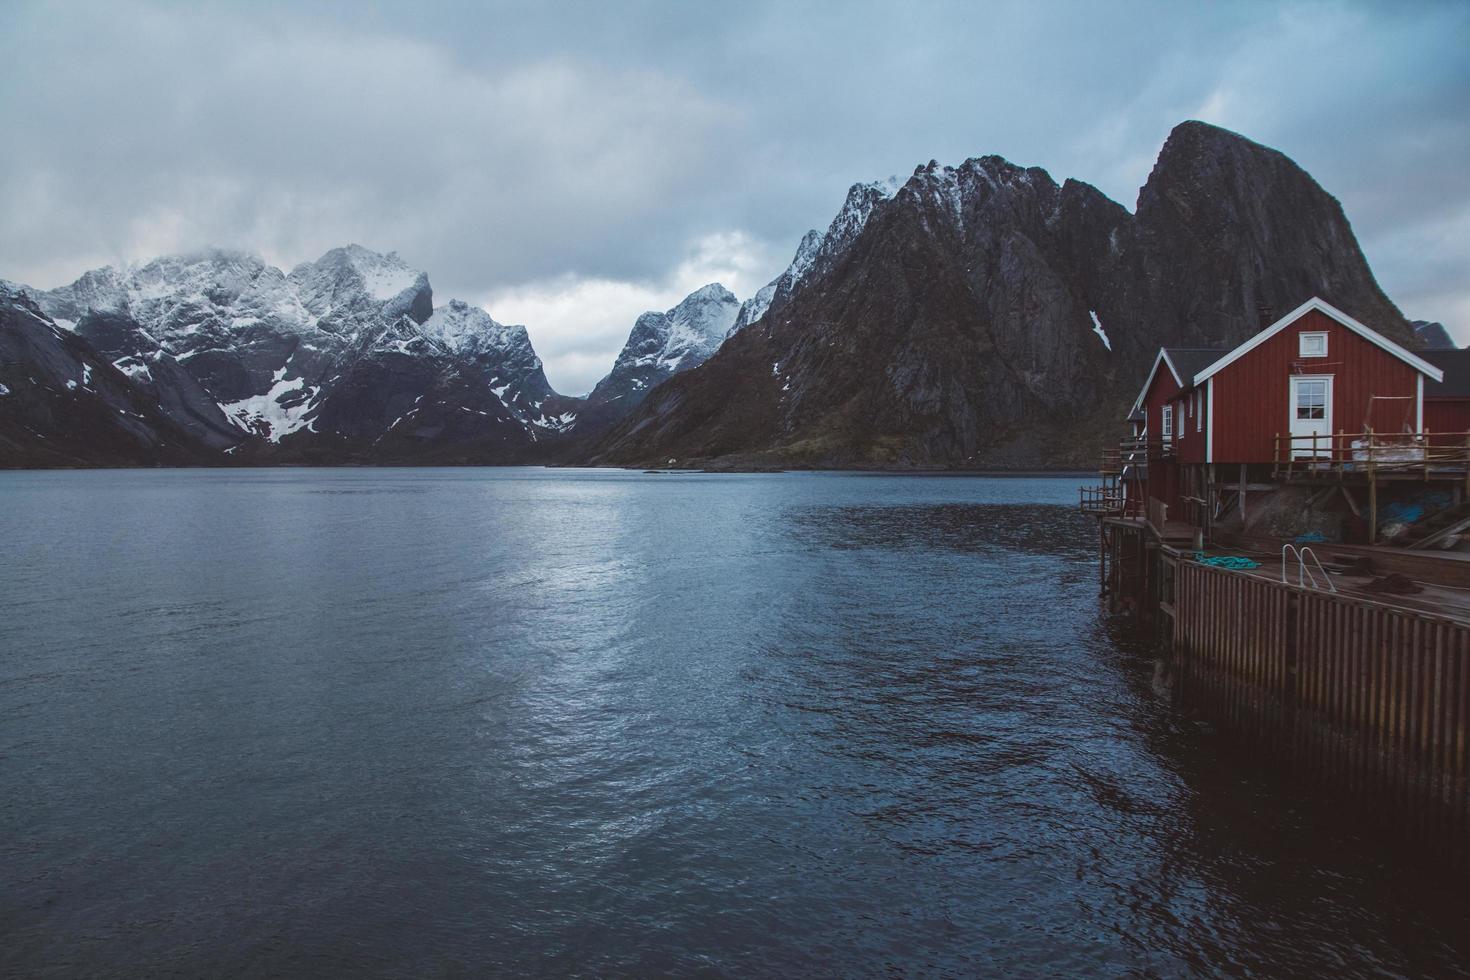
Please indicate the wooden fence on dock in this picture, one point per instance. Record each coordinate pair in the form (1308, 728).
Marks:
(1369, 700)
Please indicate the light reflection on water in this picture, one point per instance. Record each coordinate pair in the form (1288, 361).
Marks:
(412, 722)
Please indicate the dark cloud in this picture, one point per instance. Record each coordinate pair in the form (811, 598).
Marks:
(572, 162)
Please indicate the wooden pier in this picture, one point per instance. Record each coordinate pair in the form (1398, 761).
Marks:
(1339, 648)
(1368, 701)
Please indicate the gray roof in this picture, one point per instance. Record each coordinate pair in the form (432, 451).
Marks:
(1455, 363)
(1189, 361)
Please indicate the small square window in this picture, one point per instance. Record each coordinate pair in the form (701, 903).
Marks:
(1312, 345)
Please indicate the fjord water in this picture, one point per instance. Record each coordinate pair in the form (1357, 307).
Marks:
(445, 722)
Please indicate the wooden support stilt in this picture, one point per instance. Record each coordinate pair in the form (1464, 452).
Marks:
(1372, 502)
(1242, 496)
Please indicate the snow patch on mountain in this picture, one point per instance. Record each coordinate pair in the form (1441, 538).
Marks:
(1097, 328)
(383, 276)
(282, 410)
(134, 367)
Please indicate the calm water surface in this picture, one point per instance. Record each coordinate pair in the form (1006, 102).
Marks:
(446, 722)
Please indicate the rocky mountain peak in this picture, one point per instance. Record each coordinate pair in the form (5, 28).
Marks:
(818, 251)
(709, 311)
(1240, 226)
(1199, 164)
(1432, 335)
(801, 264)
(862, 199)
(465, 328)
(353, 278)
(662, 344)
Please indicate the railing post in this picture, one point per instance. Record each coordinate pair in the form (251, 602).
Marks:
(1372, 486)
(1424, 448)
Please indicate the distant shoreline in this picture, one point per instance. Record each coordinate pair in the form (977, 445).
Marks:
(672, 471)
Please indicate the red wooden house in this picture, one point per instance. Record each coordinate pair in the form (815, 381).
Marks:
(1314, 391)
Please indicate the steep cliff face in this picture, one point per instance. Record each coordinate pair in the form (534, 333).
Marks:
(1226, 227)
(985, 316)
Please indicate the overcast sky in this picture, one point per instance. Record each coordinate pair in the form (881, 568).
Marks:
(568, 166)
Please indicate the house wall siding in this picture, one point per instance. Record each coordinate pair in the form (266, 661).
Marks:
(1253, 400)
(1447, 415)
(1195, 409)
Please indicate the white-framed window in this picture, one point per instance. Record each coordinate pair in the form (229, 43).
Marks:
(1311, 399)
(1311, 345)
(1166, 427)
(1199, 410)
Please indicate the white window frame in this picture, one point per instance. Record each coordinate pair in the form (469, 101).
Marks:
(1199, 410)
(1166, 423)
(1301, 343)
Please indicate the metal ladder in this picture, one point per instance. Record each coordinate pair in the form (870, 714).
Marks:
(1306, 574)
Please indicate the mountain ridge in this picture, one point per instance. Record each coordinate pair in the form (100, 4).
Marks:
(965, 325)
(979, 315)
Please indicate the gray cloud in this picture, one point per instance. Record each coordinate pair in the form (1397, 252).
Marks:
(566, 164)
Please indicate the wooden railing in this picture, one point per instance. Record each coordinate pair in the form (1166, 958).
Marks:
(1341, 453)
(1100, 500)
(1131, 454)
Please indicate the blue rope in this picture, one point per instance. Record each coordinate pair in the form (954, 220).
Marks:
(1226, 561)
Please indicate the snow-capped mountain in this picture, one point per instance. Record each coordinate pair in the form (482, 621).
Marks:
(664, 344)
(336, 359)
(819, 251)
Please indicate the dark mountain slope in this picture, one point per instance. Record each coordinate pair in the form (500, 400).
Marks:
(62, 403)
(985, 316)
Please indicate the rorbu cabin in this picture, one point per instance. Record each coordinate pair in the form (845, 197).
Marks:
(1314, 395)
